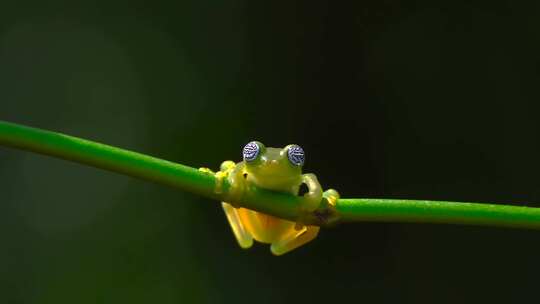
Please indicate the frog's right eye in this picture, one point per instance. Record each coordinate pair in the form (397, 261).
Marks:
(251, 151)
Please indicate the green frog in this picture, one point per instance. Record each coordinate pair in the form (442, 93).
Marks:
(276, 169)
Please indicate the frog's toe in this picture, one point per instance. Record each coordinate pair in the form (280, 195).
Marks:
(313, 201)
(227, 165)
(331, 196)
(206, 170)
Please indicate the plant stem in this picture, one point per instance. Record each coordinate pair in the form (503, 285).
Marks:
(278, 204)
(424, 211)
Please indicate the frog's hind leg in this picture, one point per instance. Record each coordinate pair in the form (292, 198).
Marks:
(244, 238)
(294, 239)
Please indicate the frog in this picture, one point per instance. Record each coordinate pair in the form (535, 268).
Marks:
(274, 169)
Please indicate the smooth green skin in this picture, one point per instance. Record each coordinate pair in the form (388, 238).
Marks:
(270, 202)
(271, 170)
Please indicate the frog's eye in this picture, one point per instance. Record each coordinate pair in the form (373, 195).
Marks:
(251, 151)
(296, 155)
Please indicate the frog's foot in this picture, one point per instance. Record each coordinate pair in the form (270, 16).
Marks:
(244, 238)
(218, 188)
(331, 196)
(226, 167)
(206, 170)
(294, 239)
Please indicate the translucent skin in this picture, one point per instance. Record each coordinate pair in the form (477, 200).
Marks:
(270, 170)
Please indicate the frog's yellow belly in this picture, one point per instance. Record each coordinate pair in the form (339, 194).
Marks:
(263, 227)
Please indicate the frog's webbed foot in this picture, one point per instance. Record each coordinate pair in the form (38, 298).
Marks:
(331, 195)
(326, 214)
(244, 238)
(225, 169)
(294, 239)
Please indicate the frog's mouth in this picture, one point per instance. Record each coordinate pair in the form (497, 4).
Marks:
(275, 180)
(276, 170)
(277, 176)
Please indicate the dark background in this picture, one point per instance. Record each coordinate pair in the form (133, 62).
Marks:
(391, 99)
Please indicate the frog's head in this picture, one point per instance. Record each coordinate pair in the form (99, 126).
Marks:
(273, 165)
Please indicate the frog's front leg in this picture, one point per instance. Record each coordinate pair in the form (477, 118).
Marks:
(300, 234)
(314, 194)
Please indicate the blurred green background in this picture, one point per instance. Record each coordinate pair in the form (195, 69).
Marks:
(392, 99)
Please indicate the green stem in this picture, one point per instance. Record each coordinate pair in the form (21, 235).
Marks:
(278, 204)
(423, 211)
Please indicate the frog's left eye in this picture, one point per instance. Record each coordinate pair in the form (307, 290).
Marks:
(251, 151)
(296, 155)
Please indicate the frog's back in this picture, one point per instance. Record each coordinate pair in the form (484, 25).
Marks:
(263, 227)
